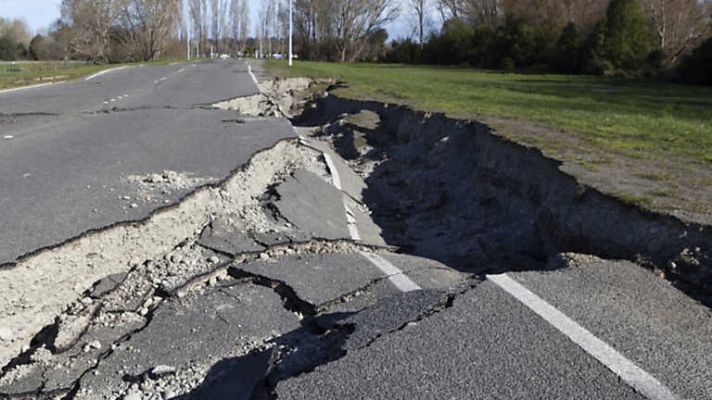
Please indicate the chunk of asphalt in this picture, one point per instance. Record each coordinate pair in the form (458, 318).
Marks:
(221, 237)
(484, 345)
(234, 379)
(317, 279)
(313, 205)
(106, 285)
(58, 373)
(388, 315)
(281, 238)
(351, 183)
(203, 327)
(646, 318)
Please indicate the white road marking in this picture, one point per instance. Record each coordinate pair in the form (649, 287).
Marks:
(351, 224)
(106, 71)
(630, 373)
(397, 277)
(252, 75)
(336, 178)
(29, 87)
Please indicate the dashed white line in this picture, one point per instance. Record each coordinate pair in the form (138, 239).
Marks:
(397, 277)
(106, 71)
(630, 373)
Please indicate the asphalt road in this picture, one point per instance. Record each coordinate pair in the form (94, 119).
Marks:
(309, 308)
(74, 146)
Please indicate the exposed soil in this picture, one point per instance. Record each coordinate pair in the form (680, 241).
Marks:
(458, 192)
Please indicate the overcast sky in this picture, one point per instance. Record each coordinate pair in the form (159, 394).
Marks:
(39, 14)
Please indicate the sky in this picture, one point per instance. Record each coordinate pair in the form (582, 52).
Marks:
(39, 14)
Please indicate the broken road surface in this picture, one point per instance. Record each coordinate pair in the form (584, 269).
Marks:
(189, 243)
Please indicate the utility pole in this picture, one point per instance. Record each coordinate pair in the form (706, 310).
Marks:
(291, 17)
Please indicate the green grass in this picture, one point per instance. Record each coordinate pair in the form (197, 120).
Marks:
(639, 119)
(23, 74)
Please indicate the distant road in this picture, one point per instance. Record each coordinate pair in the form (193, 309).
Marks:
(67, 149)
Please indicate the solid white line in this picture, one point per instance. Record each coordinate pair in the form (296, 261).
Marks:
(634, 376)
(106, 71)
(29, 87)
(252, 75)
(395, 275)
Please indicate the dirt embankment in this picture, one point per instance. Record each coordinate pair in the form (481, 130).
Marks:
(456, 191)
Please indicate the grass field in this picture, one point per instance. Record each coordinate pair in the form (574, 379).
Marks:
(22, 74)
(638, 119)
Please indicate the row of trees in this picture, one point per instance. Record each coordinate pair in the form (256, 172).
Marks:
(118, 30)
(218, 26)
(342, 30)
(132, 30)
(594, 36)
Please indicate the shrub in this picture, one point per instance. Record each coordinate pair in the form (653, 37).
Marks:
(567, 54)
(452, 46)
(8, 49)
(697, 66)
(405, 52)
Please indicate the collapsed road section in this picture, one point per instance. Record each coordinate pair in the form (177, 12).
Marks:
(351, 261)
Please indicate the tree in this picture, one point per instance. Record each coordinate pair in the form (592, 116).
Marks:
(16, 31)
(146, 27)
(420, 8)
(239, 21)
(623, 41)
(39, 48)
(355, 21)
(697, 66)
(198, 14)
(91, 23)
(567, 54)
(680, 25)
(7, 49)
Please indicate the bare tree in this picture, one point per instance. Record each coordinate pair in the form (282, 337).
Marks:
(450, 8)
(91, 23)
(356, 20)
(146, 26)
(680, 25)
(244, 23)
(420, 8)
(198, 13)
(238, 23)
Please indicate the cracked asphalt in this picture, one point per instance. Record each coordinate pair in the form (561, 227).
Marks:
(275, 282)
(66, 173)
